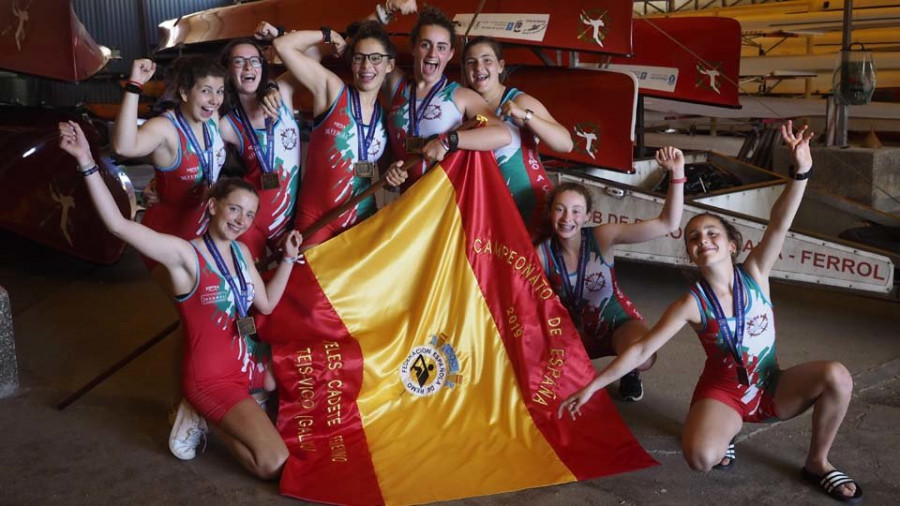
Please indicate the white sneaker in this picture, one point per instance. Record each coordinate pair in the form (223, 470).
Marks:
(187, 431)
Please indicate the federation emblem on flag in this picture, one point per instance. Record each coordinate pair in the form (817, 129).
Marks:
(430, 367)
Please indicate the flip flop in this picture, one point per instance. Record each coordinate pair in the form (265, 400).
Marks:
(730, 455)
(831, 481)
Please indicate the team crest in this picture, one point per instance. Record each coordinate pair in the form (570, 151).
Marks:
(289, 138)
(758, 325)
(586, 137)
(709, 77)
(595, 282)
(433, 111)
(430, 367)
(593, 24)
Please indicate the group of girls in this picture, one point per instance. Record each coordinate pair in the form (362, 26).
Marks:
(215, 281)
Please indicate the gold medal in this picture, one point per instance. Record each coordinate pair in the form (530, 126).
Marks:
(415, 145)
(270, 181)
(246, 326)
(364, 169)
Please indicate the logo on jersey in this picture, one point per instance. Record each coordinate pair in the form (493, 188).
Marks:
(758, 325)
(595, 282)
(430, 367)
(433, 111)
(289, 138)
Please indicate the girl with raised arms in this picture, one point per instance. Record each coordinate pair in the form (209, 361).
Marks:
(183, 144)
(528, 122)
(578, 261)
(348, 136)
(260, 123)
(730, 309)
(217, 284)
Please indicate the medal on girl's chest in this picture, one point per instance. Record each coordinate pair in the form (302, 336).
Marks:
(364, 169)
(270, 181)
(734, 340)
(414, 145)
(246, 326)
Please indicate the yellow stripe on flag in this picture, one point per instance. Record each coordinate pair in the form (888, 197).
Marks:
(414, 283)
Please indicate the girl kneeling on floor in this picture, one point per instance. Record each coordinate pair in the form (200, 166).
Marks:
(218, 283)
(731, 312)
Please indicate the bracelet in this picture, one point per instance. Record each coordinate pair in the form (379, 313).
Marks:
(445, 143)
(680, 180)
(383, 14)
(271, 85)
(326, 34)
(387, 7)
(792, 171)
(88, 172)
(133, 87)
(528, 114)
(280, 30)
(289, 260)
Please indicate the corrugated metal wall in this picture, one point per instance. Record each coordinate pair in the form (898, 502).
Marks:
(117, 25)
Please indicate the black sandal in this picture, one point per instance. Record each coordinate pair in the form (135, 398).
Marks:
(831, 481)
(730, 455)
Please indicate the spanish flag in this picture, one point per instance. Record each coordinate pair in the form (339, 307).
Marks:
(421, 357)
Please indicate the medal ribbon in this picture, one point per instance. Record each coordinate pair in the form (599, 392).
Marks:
(266, 158)
(204, 155)
(363, 139)
(415, 117)
(240, 297)
(736, 340)
(573, 295)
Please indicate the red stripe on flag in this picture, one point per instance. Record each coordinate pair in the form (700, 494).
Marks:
(319, 369)
(542, 343)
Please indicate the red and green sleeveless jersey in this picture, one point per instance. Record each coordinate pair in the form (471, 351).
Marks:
(440, 116)
(523, 171)
(329, 179)
(757, 349)
(181, 210)
(214, 351)
(277, 205)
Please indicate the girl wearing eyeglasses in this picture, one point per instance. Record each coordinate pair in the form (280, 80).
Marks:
(348, 135)
(260, 124)
(183, 144)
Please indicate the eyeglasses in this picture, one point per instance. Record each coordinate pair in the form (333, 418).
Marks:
(239, 61)
(374, 58)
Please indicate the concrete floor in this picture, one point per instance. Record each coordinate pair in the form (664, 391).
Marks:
(72, 320)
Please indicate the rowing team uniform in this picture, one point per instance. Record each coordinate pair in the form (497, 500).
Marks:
(220, 367)
(602, 307)
(438, 115)
(181, 210)
(331, 178)
(276, 205)
(521, 168)
(754, 402)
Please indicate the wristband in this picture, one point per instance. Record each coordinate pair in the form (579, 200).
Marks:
(88, 172)
(680, 180)
(383, 14)
(528, 114)
(289, 260)
(133, 87)
(271, 85)
(280, 30)
(326, 34)
(792, 171)
(453, 140)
